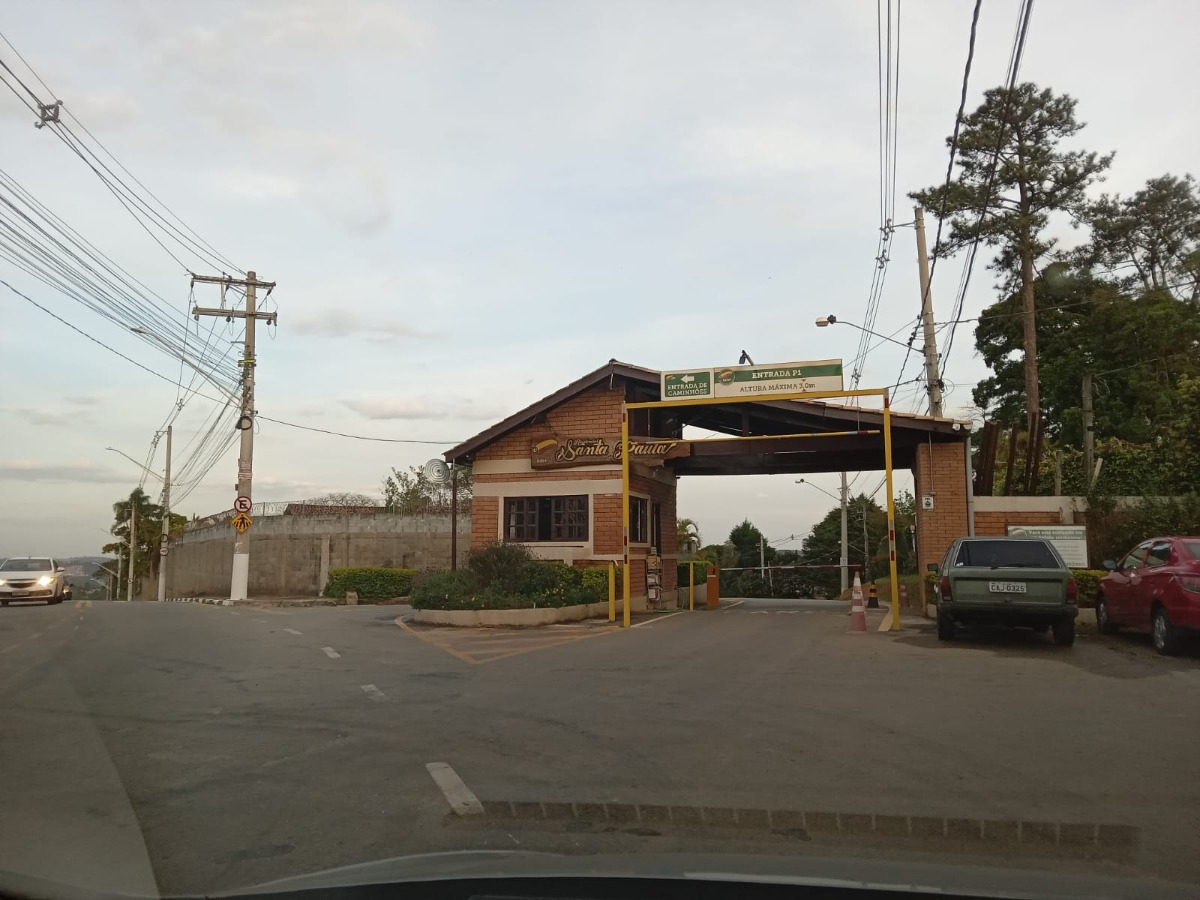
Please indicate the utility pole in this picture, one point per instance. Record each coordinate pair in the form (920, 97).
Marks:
(762, 558)
(240, 581)
(845, 560)
(132, 552)
(933, 379)
(166, 524)
(866, 544)
(1089, 433)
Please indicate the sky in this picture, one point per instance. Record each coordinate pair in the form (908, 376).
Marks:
(466, 206)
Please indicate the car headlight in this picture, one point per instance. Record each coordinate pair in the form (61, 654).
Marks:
(45, 580)
(2, 581)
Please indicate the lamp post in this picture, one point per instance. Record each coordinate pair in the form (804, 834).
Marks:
(165, 478)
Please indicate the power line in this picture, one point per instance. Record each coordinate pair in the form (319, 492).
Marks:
(1014, 69)
(958, 120)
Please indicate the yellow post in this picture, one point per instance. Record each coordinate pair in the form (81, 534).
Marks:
(612, 591)
(691, 585)
(891, 511)
(625, 511)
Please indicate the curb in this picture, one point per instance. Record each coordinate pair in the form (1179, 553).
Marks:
(210, 600)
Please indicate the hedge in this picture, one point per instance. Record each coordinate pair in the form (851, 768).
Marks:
(700, 568)
(370, 584)
(512, 581)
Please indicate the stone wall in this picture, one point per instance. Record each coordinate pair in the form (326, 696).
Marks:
(290, 556)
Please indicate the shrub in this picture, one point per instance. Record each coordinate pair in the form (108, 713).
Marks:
(595, 582)
(549, 579)
(446, 590)
(1088, 581)
(500, 566)
(701, 576)
(370, 584)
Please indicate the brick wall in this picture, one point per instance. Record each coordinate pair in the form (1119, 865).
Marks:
(594, 413)
(995, 523)
(940, 470)
(485, 520)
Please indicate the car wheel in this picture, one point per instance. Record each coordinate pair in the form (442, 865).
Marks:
(945, 626)
(1104, 622)
(1064, 632)
(1166, 639)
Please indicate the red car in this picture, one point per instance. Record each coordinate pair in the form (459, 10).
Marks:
(1156, 586)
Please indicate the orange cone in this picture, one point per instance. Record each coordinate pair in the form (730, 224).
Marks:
(858, 614)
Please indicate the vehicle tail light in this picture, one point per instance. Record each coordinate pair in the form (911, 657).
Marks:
(1190, 583)
(1072, 590)
(944, 590)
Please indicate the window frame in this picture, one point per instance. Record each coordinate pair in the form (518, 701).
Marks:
(550, 515)
(1153, 562)
(639, 519)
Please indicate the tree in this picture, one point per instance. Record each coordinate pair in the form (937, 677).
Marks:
(413, 493)
(750, 546)
(342, 498)
(1138, 349)
(1012, 175)
(147, 532)
(1150, 241)
(687, 534)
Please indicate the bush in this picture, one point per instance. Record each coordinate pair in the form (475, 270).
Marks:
(595, 582)
(370, 584)
(1088, 581)
(446, 590)
(538, 583)
(500, 566)
(700, 568)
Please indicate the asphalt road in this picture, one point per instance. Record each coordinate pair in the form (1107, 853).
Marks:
(181, 748)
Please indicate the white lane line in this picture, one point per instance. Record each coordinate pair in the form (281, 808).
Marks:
(760, 612)
(457, 794)
(373, 692)
(331, 653)
(786, 612)
(734, 603)
(293, 631)
(36, 634)
(659, 618)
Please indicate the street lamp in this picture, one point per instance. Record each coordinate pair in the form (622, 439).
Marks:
(165, 478)
(826, 321)
(135, 462)
(818, 487)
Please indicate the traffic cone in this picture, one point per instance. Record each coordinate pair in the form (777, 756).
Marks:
(872, 596)
(858, 615)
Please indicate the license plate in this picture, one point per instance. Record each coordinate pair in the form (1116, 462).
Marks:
(1006, 587)
(20, 593)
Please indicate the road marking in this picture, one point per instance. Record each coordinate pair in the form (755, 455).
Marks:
(292, 631)
(734, 603)
(659, 618)
(458, 795)
(9, 647)
(331, 653)
(760, 612)
(373, 692)
(786, 612)
(36, 634)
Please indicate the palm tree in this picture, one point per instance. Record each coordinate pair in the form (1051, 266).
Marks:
(687, 535)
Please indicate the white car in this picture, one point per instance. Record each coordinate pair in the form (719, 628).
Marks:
(33, 578)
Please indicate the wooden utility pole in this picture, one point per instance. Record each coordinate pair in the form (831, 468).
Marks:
(166, 524)
(933, 378)
(239, 583)
(1089, 433)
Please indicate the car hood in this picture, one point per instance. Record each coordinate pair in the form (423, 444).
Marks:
(860, 874)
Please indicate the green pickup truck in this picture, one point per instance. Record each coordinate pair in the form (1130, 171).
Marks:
(1013, 581)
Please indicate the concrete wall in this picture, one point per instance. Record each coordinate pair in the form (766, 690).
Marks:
(290, 556)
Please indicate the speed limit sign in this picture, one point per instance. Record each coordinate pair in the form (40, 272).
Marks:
(242, 505)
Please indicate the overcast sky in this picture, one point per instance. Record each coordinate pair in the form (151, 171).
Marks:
(468, 205)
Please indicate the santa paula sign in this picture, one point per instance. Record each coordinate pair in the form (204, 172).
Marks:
(561, 452)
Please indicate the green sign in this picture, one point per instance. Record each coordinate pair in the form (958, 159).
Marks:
(683, 385)
(780, 378)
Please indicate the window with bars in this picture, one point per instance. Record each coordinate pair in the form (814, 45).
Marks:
(531, 519)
